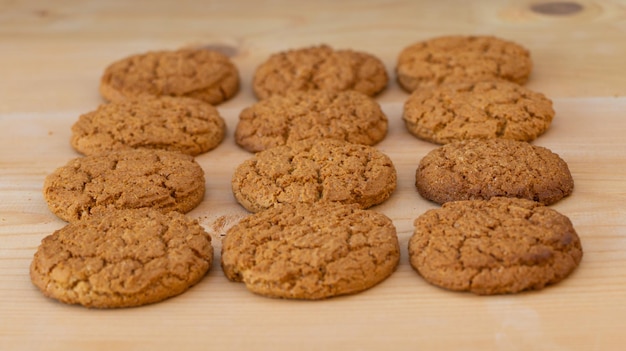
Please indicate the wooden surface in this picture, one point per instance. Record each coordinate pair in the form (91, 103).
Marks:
(53, 53)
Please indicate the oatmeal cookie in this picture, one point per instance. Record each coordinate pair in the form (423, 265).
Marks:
(319, 170)
(311, 251)
(319, 67)
(496, 246)
(178, 124)
(165, 180)
(298, 115)
(122, 258)
(196, 73)
(453, 59)
(484, 110)
(485, 168)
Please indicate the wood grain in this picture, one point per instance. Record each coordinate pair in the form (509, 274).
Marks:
(52, 58)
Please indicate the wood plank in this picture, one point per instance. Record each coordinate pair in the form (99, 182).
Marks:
(51, 62)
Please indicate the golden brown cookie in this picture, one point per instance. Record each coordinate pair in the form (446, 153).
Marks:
(319, 67)
(178, 124)
(311, 251)
(298, 115)
(484, 110)
(165, 180)
(496, 246)
(484, 168)
(453, 59)
(122, 258)
(314, 170)
(197, 73)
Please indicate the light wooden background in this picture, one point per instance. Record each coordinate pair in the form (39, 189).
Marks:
(52, 54)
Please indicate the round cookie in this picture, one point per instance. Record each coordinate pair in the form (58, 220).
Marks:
(314, 170)
(197, 73)
(484, 110)
(485, 168)
(298, 115)
(453, 59)
(178, 124)
(165, 180)
(310, 251)
(496, 246)
(122, 258)
(319, 67)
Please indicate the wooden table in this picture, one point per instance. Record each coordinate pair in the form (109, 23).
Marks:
(53, 53)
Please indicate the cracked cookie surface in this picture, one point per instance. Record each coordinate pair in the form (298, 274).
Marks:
(180, 124)
(313, 171)
(165, 180)
(496, 246)
(452, 59)
(311, 251)
(350, 116)
(319, 67)
(196, 73)
(483, 110)
(122, 258)
(485, 168)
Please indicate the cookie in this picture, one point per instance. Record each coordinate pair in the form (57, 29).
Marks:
(178, 124)
(453, 59)
(310, 251)
(319, 67)
(165, 180)
(484, 110)
(196, 73)
(496, 246)
(122, 258)
(316, 170)
(485, 168)
(298, 115)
